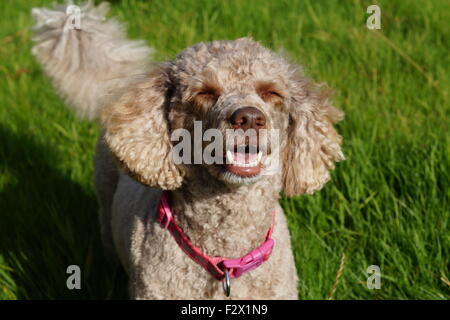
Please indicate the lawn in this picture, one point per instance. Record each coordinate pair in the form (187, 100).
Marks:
(388, 204)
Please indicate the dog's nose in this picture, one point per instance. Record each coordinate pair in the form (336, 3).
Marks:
(248, 118)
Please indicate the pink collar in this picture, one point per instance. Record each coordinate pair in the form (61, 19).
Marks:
(218, 267)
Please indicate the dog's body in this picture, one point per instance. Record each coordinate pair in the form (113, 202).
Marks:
(222, 222)
(223, 210)
(159, 269)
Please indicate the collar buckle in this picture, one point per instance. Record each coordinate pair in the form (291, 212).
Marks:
(250, 261)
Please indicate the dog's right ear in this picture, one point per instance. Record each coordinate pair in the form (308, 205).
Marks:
(137, 132)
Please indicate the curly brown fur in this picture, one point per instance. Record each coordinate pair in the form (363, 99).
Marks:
(222, 213)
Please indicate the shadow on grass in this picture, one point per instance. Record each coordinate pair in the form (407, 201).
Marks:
(48, 222)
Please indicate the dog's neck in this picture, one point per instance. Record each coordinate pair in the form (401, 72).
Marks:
(211, 214)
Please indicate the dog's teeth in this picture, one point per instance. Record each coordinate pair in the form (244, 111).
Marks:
(247, 165)
(259, 156)
(240, 160)
(230, 157)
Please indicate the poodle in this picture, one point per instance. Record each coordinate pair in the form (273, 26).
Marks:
(189, 230)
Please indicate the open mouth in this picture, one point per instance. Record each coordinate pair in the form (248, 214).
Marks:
(244, 162)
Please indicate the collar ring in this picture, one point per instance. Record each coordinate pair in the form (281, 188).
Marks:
(226, 284)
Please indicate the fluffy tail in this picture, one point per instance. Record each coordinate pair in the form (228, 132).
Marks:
(87, 56)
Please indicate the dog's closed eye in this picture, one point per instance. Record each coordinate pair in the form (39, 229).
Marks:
(269, 92)
(207, 94)
(272, 94)
(209, 91)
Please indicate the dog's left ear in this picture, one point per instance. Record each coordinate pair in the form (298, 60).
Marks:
(313, 145)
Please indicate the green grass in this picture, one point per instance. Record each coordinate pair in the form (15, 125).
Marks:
(388, 204)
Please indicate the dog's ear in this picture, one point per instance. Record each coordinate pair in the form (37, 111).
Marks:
(313, 145)
(137, 132)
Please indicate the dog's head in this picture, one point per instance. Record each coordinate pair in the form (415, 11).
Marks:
(233, 108)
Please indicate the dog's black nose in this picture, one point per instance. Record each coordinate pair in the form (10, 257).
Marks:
(248, 118)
